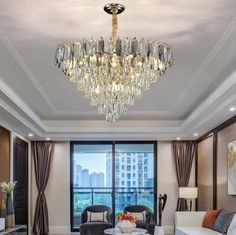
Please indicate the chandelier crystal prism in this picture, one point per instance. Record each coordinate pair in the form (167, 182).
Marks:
(113, 73)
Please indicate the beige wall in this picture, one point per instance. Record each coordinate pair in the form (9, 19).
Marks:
(167, 180)
(205, 174)
(223, 199)
(58, 190)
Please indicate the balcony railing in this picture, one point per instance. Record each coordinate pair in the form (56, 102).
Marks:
(124, 196)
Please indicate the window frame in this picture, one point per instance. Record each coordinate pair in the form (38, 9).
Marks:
(112, 143)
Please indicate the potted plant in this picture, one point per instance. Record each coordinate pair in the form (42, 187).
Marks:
(127, 222)
(8, 188)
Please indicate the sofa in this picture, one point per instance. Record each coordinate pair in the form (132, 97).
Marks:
(190, 223)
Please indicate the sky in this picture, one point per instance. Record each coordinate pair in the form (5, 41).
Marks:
(94, 162)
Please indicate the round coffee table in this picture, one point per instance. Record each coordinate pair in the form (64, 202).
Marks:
(116, 231)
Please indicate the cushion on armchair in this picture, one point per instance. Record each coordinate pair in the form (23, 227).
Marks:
(97, 216)
(140, 216)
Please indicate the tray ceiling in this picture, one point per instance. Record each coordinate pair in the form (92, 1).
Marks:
(202, 34)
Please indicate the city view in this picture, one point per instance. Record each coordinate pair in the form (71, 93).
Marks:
(93, 180)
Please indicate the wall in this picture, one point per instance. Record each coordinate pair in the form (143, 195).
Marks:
(4, 156)
(223, 199)
(167, 181)
(58, 190)
(205, 174)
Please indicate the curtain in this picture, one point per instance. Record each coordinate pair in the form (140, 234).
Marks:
(184, 153)
(42, 155)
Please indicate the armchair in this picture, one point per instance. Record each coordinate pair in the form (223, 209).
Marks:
(148, 223)
(94, 221)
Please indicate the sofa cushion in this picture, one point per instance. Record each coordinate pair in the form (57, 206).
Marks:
(210, 218)
(223, 221)
(232, 227)
(195, 231)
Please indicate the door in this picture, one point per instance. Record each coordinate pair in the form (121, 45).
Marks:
(115, 174)
(20, 174)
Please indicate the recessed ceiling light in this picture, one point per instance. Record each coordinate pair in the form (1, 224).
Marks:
(178, 138)
(30, 134)
(47, 138)
(195, 134)
(232, 109)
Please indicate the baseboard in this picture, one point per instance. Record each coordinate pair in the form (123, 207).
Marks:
(59, 230)
(169, 229)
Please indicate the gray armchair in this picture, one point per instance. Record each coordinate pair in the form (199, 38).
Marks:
(149, 223)
(95, 227)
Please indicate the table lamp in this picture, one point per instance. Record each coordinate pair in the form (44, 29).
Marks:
(188, 193)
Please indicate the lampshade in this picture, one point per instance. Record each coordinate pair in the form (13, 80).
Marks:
(188, 192)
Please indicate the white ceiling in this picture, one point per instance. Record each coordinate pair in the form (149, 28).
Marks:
(194, 95)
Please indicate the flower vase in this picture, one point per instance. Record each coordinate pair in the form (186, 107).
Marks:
(126, 226)
(10, 211)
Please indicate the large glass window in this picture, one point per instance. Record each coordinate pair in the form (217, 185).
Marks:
(113, 174)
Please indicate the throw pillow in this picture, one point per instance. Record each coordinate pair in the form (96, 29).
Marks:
(97, 216)
(210, 218)
(140, 216)
(223, 221)
(232, 227)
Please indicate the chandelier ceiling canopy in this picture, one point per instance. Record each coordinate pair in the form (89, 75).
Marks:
(113, 73)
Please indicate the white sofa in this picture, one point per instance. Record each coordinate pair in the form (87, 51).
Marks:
(190, 223)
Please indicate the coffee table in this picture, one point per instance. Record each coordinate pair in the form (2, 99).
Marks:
(116, 231)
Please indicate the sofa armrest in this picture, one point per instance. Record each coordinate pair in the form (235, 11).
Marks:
(189, 218)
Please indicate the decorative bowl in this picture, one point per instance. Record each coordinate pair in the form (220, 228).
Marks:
(126, 226)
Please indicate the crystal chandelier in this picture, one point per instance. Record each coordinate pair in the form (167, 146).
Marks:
(112, 73)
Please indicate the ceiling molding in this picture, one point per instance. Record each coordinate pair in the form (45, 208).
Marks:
(101, 126)
(19, 117)
(7, 43)
(209, 59)
(20, 103)
(218, 109)
(221, 91)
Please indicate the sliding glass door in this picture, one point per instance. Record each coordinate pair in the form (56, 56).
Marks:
(116, 174)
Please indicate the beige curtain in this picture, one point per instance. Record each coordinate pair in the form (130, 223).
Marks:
(42, 155)
(184, 153)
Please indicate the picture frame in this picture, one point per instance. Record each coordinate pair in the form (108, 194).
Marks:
(231, 165)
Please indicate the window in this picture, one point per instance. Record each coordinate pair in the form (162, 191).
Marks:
(101, 170)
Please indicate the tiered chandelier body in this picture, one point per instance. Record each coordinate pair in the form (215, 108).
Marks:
(112, 73)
